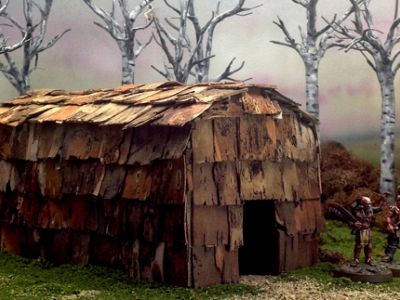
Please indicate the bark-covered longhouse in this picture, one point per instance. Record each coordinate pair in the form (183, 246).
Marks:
(190, 185)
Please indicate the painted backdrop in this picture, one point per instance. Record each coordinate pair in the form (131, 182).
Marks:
(88, 57)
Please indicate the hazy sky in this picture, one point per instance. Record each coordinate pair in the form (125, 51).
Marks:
(88, 57)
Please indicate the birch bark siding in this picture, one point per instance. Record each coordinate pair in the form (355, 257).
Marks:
(124, 31)
(33, 44)
(102, 183)
(382, 56)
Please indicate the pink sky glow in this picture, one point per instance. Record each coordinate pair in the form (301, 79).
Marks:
(87, 57)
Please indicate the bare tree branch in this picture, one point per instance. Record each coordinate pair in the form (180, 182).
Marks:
(396, 68)
(106, 17)
(327, 27)
(226, 74)
(54, 40)
(283, 44)
(363, 30)
(4, 48)
(369, 62)
(32, 43)
(3, 40)
(312, 45)
(390, 36)
(288, 38)
(165, 74)
(397, 54)
(303, 3)
(147, 25)
(188, 57)
(141, 47)
(163, 44)
(172, 25)
(177, 11)
(3, 7)
(134, 14)
(14, 22)
(124, 32)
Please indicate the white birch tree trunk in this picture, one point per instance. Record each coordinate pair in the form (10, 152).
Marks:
(381, 55)
(387, 182)
(128, 62)
(312, 87)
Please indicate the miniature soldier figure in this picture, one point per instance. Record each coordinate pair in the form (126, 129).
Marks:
(363, 211)
(392, 227)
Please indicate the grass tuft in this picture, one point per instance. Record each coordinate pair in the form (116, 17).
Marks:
(338, 238)
(22, 278)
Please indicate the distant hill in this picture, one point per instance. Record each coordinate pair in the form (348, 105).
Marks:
(367, 147)
(345, 177)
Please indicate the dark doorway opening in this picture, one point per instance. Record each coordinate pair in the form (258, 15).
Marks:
(260, 253)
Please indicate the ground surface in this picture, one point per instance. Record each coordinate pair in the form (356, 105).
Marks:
(273, 288)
